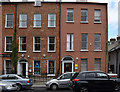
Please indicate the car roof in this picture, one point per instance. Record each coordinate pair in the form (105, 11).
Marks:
(96, 71)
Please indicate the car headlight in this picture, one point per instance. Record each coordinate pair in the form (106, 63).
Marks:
(8, 86)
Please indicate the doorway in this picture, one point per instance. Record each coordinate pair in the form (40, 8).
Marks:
(67, 67)
(24, 69)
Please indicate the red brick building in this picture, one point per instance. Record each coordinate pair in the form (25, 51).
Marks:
(53, 36)
(84, 36)
(37, 36)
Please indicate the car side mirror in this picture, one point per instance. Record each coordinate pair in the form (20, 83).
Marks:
(109, 77)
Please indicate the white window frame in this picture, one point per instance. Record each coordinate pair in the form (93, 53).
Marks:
(33, 68)
(95, 19)
(20, 44)
(7, 21)
(5, 65)
(54, 44)
(70, 10)
(97, 42)
(5, 44)
(34, 45)
(84, 41)
(52, 20)
(68, 42)
(37, 20)
(22, 20)
(84, 21)
(48, 68)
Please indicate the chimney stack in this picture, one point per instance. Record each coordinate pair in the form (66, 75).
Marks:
(112, 40)
(118, 38)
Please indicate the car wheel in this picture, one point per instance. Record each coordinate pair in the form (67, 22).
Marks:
(83, 89)
(54, 87)
(19, 87)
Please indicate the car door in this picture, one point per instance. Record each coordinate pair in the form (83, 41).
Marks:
(64, 80)
(103, 82)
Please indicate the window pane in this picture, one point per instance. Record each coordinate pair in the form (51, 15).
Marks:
(8, 67)
(51, 67)
(83, 64)
(22, 43)
(9, 20)
(97, 64)
(97, 42)
(8, 43)
(51, 20)
(36, 67)
(69, 14)
(23, 20)
(97, 15)
(84, 15)
(84, 41)
(69, 41)
(51, 43)
(37, 20)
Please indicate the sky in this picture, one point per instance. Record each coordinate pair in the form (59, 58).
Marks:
(112, 15)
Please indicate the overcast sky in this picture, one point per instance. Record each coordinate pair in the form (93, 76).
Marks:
(112, 15)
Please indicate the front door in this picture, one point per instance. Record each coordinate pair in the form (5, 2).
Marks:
(24, 69)
(67, 67)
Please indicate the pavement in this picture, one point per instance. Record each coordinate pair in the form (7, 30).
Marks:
(38, 86)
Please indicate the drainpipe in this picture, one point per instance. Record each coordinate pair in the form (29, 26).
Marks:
(117, 64)
(59, 37)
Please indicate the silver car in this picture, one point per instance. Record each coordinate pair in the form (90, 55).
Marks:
(7, 86)
(20, 82)
(61, 82)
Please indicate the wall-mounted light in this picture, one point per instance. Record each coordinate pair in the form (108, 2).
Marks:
(44, 55)
(28, 56)
(76, 58)
(22, 55)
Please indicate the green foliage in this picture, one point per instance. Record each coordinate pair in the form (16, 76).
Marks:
(14, 54)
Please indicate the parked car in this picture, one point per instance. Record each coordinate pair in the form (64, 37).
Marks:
(7, 86)
(94, 81)
(20, 82)
(61, 82)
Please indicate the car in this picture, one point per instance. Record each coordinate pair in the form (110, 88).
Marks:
(89, 81)
(20, 82)
(60, 82)
(7, 86)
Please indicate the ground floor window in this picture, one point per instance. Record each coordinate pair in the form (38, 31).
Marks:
(36, 67)
(8, 66)
(97, 64)
(51, 67)
(84, 64)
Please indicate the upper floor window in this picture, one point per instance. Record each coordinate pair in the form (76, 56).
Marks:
(97, 64)
(84, 64)
(36, 44)
(70, 15)
(51, 44)
(9, 21)
(51, 20)
(37, 20)
(84, 41)
(83, 15)
(37, 3)
(69, 42)
(22, 44)
(8, 44)
(23, 20)
(97, 44)
(97, 15)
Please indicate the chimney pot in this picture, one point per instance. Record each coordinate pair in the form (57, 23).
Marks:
(112, 40)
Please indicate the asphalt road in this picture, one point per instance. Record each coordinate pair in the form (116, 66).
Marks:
(44, 90)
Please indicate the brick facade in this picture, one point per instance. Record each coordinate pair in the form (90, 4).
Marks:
(44, 32)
